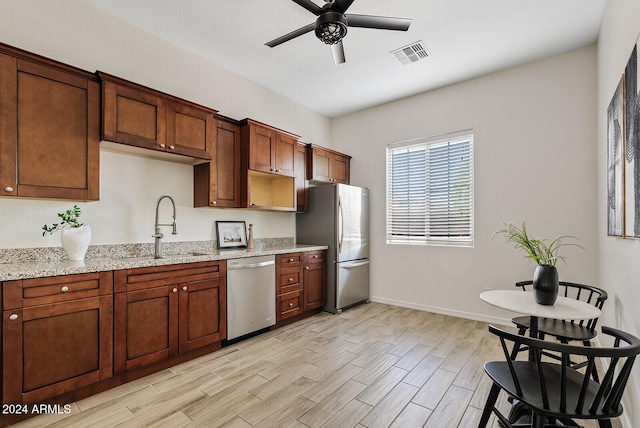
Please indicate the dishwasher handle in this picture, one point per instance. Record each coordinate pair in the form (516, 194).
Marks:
(250, 265)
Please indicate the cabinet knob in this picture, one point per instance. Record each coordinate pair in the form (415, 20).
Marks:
(13, 317)
(315, 256)
(175, 290)
(184, 288)
(290, 304)
(8, 189)
(306, 267)
(290, 260)
(290, 280)
(64, 289)
(214, 202)
(162, 145)
(172, 147)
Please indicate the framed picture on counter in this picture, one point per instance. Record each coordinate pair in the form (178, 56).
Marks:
(231, 234)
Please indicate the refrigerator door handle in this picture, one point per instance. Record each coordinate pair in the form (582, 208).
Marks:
(354, 264)
(340, 225)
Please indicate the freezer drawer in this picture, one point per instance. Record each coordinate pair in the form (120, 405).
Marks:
(352, 282)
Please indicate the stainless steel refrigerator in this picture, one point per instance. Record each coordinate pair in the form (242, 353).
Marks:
(338, 217)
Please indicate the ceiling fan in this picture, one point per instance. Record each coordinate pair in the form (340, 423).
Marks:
(331, 25)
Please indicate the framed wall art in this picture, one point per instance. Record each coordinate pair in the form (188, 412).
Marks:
(231, 234)
(615, 172)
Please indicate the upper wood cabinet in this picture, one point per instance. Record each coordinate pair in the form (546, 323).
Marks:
(269, 149)
(49, 128)
(302, 185)
(217, 183)
(327, 165)
(139, 116)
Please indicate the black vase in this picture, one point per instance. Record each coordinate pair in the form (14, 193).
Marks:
(545, 285)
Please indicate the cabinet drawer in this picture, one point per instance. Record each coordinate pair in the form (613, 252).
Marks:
(289, 305)
(315, 256)
(42, 291)
(288, 280)
(289, 259)
(159, 276)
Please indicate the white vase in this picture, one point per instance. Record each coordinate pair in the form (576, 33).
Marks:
(75, 241)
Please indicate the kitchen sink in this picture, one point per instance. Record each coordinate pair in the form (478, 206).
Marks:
(167, 256)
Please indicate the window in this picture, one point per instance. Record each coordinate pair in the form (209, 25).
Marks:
(430, 191)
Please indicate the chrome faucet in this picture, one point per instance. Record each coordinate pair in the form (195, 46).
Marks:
(158, 235)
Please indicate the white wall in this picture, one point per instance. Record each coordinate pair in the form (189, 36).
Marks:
(535, 157)
(79, 34)
(619, 269)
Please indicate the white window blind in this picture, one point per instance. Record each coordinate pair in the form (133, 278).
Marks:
(430, 191)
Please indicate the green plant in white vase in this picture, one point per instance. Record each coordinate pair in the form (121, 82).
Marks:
(75, 236)
(544, 252)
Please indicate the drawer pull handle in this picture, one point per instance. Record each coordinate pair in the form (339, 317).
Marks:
(13, 317)
(175, 290)
(290, 280)
(290, 304)
(64, 289)
(8, 189)
(184, 288)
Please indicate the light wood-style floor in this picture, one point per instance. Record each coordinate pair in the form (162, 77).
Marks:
(371, 366)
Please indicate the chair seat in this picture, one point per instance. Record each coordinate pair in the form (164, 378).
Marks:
(559, 328)
(528, 376)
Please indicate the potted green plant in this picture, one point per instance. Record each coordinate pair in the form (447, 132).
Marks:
(75, 236)
(542, 251)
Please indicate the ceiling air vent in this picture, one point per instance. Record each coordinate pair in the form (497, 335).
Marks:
(412, 53)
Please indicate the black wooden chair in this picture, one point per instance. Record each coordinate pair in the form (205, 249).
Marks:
(566, 330)
(554, 392)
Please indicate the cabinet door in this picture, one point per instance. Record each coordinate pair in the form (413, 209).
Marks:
(340, 168)
(203, 314)
(217, 183)
(190, 130)
(145, 327)
(285, 155)
(49, 132)
(52, 349)
(302, 193)
(133, 116)
(261, 149)
(315, 281)
(320, 165)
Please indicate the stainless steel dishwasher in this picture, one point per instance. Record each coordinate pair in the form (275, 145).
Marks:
(251, 295)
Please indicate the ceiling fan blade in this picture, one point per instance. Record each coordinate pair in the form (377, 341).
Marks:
(292, 35)
(310, 6)
(380, 22)
(338, 53)
(341, 5)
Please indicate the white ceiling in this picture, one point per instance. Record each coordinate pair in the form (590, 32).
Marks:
(466, 38)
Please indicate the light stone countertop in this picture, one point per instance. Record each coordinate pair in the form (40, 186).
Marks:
(10, 271)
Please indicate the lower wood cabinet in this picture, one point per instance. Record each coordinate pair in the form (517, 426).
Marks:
(301, 283)
(56, 335)
(163, 311)
(315, 280)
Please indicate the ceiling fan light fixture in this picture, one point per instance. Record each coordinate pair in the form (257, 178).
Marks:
(331, 27)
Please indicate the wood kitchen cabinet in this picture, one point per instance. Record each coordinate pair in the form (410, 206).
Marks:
(217, 183)
(57, 335)
(289, 286)
(163, 311)
(302, 185)
(327, 165)
(315, 280)
(269, 149)
(49, 128)
(139, 116)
